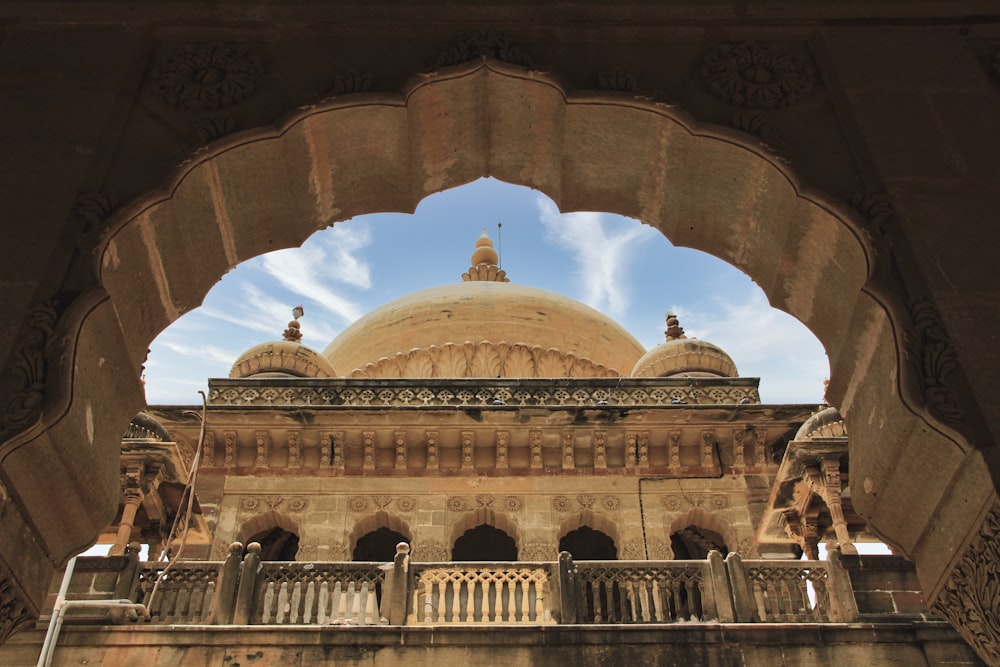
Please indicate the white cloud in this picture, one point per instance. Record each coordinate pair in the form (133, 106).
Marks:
(311, 271)
(764, 342)
(602, 255)
(202, 352)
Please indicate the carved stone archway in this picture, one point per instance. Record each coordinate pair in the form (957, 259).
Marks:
(920, 481)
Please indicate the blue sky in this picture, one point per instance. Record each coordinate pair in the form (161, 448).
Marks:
(617, 265)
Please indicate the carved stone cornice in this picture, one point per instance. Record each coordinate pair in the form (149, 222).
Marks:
(499, 392)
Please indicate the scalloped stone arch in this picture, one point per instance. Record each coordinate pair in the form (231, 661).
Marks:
(696, 516)
(593, 520)
(703, 187)
(490, 517)
(372, 522)
(265, 521)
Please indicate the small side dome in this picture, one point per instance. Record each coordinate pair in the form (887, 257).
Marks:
(283, 357)
(681, 355)
(826, 423)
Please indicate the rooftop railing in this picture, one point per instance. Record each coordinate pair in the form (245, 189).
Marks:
(242, 590)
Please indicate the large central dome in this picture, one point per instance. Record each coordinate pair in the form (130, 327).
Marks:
(484, 327)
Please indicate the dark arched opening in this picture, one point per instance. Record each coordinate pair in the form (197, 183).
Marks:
(694, 543)
(585, 543)
(484, 543)
(378, 545)
(276, 544)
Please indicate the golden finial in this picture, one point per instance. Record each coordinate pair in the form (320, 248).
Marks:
(485, 262)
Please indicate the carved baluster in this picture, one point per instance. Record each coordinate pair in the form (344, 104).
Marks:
(263, 448)
(739, 460)
(322, 602)
(674, 450)
(339, 614)
(484, 606)
(368, 600)
(568, 455)
(355, 597)
(294, 448)
(208, 450)
(368, 447)
(432, 450)
(338, 450)
(600, 449)
(400, 439)
(511, 601)
(535, 440)
(502, 442)
(468, 443)
(295, 611)
(230, 438)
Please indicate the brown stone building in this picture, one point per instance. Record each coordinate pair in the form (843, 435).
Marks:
(841, 154)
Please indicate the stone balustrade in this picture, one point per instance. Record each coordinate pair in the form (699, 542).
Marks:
(242, 590)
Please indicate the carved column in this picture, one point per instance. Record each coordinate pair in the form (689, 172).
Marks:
(133, 499)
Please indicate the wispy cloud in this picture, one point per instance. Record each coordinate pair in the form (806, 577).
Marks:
(312, 270)
(764, 342)
(197, 351)
(601, 254)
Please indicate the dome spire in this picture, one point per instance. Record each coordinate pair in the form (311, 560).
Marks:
(674, 330)
(293, 333)
(485, 262)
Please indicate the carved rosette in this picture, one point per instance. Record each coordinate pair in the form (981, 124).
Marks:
(970, 599)
(205, 77)
(756, 76)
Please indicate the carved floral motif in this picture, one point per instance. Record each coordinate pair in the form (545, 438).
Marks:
(512, 504)
(30, 368)
(357, 504)
(456, 504)
(970, 599)
(431, 551)
(561, 504)
(351, 81)
(934, 358)
(755, 75)
(539, 551)
(406, 503)
(249, 504)
(205, 77)
(610, 503)
(483, 44)
(14, 612)
(677, 502)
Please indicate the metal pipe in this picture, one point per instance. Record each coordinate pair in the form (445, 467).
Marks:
(62, 605)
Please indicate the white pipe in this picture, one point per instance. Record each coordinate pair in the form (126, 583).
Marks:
(62, 605)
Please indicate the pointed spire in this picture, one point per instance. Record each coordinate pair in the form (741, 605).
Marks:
(674, 330)
(484, 263)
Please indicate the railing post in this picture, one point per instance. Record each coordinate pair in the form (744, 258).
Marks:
(247, 590)
(743, 604)
(128, 578)
(225, 589)
(720, 587)
(396, 592)
(841, 591)
(567, 589)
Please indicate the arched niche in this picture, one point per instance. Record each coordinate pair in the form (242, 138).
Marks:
(277, 533)
(588, 520)
(703, 187)
(471, 521)
(711, 530)
(384, 523)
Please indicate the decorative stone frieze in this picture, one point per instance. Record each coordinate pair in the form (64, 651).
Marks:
(538, 551)
(205, 77)
(431, 551)
(263, 449)
(677, 502)
(755, 75)
(499, 393)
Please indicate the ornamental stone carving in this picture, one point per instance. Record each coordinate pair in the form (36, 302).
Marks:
(930, 353)
(512, 504)
(30, 368)
(757, 76)
(610, 503)
(406, 503)
(561, 504)
(633, 550)
(431, 551)
(351, 81)
(205, 77)
(15, 613)
(677, 502)
(971, 594)
(483, 44)
(456, 504)
(539, 551)
(249, 504)
(357, 504)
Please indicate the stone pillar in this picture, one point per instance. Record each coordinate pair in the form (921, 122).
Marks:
(133, 499)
